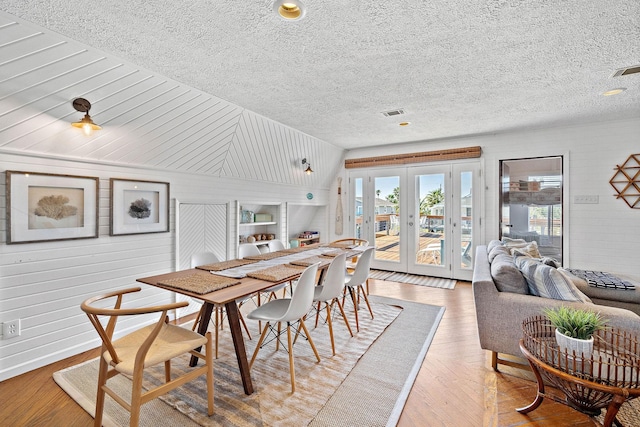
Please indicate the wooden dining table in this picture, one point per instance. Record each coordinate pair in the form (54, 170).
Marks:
(223, 297)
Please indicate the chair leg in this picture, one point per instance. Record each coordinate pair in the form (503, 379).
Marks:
(292, 371)
(102, 380)
(355, 307)
(344, 316)
(255, 352)
(317, 314)
(245, 328)
(167, 371)
(198, 317)
(333, 344)
(136, 397)
(313, 347)
(366, 299)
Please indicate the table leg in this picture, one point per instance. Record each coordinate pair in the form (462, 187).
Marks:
(539, 394)
(202, 329)
(238, 342)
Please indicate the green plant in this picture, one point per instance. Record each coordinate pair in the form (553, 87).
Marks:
(575, 323)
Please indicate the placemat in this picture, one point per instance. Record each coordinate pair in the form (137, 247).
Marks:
(277, 273)
(225, 265)
(349, 253)
(306, 262)
(266, 256)
(200, 283)
(300, 248)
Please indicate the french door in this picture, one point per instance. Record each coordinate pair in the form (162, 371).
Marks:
(420, 219)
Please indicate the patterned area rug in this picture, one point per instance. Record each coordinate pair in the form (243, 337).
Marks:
(392, 276)
(365, 383)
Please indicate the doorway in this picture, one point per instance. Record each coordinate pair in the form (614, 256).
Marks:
(421, 219)
(531, 203)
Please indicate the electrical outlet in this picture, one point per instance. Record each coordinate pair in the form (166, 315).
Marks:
(11, 329)
(585, 199)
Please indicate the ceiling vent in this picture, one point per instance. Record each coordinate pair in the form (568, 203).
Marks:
(393, 112)
(626, 71)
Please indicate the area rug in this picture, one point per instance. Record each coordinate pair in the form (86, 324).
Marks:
(414, 279)
(365, 383)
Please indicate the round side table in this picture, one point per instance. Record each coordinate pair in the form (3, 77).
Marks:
(606, 379)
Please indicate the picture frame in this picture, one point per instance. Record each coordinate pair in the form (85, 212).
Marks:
(138, 207)
(46, 207)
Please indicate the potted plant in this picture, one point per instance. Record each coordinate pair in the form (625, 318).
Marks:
(575, 328)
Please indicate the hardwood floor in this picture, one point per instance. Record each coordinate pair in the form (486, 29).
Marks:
(455, 385)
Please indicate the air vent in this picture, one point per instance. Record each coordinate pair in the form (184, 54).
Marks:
(393, 112)
(626, 71)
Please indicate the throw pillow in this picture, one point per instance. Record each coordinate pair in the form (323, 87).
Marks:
(547, 282)
(577, 282)
(530, 249)
(514, 243)
(506, 275)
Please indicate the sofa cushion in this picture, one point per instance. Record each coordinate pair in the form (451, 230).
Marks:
(492, 244)
(496, 250)
(506, 276)
(546, 281)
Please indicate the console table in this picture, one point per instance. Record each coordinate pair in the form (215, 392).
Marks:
(607, 379)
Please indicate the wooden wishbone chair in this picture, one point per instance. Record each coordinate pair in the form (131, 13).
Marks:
(148, 346)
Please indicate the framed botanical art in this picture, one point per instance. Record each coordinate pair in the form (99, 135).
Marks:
(43, 207)
(139, 207)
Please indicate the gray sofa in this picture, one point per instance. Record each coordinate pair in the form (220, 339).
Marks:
(500, 314)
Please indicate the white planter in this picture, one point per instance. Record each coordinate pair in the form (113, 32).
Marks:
(583, 348)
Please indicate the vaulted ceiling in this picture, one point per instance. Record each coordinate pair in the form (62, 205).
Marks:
(454, 67)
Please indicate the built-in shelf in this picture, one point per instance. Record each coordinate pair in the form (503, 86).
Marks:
(242, 224)
(309, 241)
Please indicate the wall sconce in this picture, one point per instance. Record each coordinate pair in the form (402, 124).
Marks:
(86, 124)
(308, 170)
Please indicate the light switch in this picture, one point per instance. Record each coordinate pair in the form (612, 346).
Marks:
(585, 199)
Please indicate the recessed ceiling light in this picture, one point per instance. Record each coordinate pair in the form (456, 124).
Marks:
(404, 123)
(614, 91)
(290, 10)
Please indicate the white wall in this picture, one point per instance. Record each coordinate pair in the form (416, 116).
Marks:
(44, 283)
(603, 236)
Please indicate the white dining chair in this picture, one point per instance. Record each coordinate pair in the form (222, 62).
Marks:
(276, 245)
(292, 311)
(248, 249)
(355, 283)
(330, 292)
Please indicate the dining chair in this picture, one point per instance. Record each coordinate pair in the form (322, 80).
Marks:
(292, 311)
(351, 241)
(204, 258)
(329, 293)
(276, 245)
(145, 347)
(355, 283)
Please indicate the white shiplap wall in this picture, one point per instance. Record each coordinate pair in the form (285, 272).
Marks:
(43, 284)
(603, 236)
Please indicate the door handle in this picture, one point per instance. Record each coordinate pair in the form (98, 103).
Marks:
(411, 224)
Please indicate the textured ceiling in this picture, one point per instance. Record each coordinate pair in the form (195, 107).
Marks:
(455, 67)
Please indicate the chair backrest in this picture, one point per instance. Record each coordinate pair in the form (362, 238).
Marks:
(248, 249)
(275, 245)
(203, 258)
(363, 266)
(302, 298)
(333, 281)
(106, 332)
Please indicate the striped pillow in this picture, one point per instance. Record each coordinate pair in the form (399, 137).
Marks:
(547, 282)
